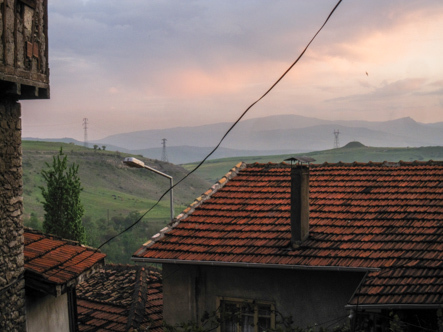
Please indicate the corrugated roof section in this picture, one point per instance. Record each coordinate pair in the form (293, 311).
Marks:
(373, 216)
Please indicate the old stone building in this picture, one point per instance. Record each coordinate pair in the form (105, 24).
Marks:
(24, 74)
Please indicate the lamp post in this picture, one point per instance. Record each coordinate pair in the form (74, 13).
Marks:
(134, 162)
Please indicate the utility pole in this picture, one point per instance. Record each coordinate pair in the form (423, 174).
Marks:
(164, 154)
(336, 141)
(85, 127)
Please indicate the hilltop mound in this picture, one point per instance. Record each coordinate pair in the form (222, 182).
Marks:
(354, 144)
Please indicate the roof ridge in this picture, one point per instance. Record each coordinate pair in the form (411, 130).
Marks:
(386, 163)
(64, 242)
(382, 163)
(139, 296)
(58, 238)
(99, 301)
(196, 203)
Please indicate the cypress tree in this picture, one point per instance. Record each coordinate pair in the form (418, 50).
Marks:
(62, 205)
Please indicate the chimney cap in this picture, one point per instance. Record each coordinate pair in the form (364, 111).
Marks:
(300, 160)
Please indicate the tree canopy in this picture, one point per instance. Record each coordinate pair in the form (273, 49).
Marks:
(62, 204)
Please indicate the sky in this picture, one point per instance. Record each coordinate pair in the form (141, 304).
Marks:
(140, 65)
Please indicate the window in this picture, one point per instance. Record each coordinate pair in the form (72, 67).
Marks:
(239, 315)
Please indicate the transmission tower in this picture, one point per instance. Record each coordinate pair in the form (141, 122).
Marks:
(85, 127)
(336, 141)
(164, 154)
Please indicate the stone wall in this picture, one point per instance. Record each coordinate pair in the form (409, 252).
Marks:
(12, 284)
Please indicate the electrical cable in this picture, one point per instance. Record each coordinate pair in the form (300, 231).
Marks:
(334, 321)
(228, 131)
(223, 137)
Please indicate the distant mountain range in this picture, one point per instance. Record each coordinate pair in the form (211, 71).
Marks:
(279, 134)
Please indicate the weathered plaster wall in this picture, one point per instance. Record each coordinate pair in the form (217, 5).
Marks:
(47, 313)
(308, 296)
(12, 284)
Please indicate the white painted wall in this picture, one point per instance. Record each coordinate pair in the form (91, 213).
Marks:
(47, 313)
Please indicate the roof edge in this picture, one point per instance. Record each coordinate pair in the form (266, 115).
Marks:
(385, 163)
(87, 273)
(208, 193)
(35, 280)
(191, 208)
(254, 265)
(139, 296)
(59, 238)
(392, 306)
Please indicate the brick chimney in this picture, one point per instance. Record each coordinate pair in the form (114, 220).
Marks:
(299, 204)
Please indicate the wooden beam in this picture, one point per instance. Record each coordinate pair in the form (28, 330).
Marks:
(30, 3)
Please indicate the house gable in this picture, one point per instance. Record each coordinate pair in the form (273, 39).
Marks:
(53, 264)
(53, 267)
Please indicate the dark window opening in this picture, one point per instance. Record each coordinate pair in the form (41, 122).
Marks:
(246, 315)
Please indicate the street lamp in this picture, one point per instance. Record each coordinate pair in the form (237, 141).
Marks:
(134, 162)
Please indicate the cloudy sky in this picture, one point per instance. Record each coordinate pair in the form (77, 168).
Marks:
(138, 64)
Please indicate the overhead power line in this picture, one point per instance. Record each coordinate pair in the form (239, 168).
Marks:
(223, 137)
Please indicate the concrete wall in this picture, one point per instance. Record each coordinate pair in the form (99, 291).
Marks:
(47, 313)
(308, 296)
(12, 285)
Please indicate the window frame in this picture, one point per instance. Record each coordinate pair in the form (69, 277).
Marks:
(220, 300)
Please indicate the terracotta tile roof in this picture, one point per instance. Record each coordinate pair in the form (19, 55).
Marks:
(403, 285)
(373, 216)
(53, 263)
(121, 298)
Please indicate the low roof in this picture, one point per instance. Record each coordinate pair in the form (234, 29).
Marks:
(52, 264)
(121, 298)
(380, 217)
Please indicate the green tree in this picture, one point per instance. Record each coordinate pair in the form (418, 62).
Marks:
(33, 221)
(62, 205)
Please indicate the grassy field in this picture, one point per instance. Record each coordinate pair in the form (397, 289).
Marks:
(213, 170)
(109, 187)
(114, 195)
(111, 190)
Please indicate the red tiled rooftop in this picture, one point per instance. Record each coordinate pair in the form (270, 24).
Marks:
(121, 298)
(58, 262)
(367, 216)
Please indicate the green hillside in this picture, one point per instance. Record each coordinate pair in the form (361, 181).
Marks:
(354, 151)
(113, 196)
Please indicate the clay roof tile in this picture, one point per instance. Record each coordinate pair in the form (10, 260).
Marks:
(384, 216)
